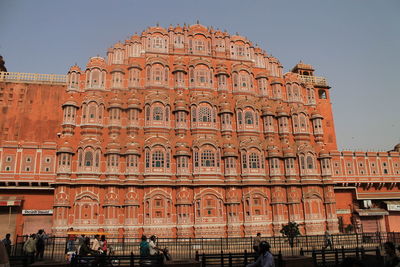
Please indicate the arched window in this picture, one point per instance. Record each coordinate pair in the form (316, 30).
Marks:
(248, 117)
(158, 114)
(157, 159)
(207, 158)
(89, 159)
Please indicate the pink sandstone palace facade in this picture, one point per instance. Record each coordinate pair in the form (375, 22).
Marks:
(184, 132)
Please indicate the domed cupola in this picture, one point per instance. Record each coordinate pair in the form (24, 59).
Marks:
(96, 73)
(134, 103)
(65, 147)
(115, 102)
(113, 148)
(267, 111)
(274, 152)
(229, 150)
(281, 112)
(180, 104)
(182, 149)
(73, 77)
(132, 148)
(288, 152)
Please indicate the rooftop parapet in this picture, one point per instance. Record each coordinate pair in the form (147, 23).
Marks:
(20, 77)
(314, 80)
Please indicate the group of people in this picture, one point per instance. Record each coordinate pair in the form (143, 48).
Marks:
(35, 245)
(83, 247)
(148, 248)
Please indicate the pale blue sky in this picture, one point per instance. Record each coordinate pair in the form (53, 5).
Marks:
(354, 44)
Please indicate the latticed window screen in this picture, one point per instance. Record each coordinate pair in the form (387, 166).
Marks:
(207, 158)
(196, 159)
(158, 159)
(248, 117)
(157, 114)
(254, 161)
(147, 159)
(244, 161)
(310, 163)
(88, 158)
(205, 114)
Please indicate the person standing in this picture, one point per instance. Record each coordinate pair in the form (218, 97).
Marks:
(29, 247)
(96, 243)
(103, 244)
(328, 240)
(256, 243)
(144, 247)
(71, 240)
(265, 259)
(40, 244)
(7, 243)
(80, 240)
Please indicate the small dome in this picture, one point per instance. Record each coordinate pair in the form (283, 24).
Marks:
(96, 62)
(134, 66)
(229, 150)
(71, 103)
(324, 153)
(180, 104)
(267, 111)
(115, 102)
(178, 28)
(225, 107)
(135, 37)
(274, 152)
(119, 45)
(316, 115)
(280, 112)
(75, 68)
(117, 69)
(263, 74)
(132, 148)
(113, 148)
(182, 149)
(288, 152)
(65, 148)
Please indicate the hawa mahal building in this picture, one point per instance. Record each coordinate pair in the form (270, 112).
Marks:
(184, 132)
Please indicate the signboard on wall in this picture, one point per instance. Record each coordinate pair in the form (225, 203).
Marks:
(343, 211)
(393, 207)
(37, 212)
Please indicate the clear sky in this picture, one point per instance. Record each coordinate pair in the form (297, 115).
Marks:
(355, 44)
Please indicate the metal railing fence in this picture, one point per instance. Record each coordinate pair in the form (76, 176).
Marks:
(185, 248)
